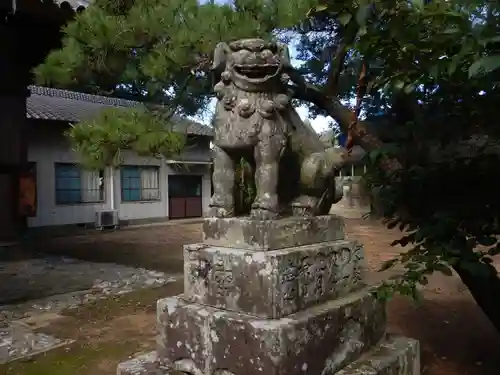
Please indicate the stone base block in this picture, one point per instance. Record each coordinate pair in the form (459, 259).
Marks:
(246, 233)
(395, 355)
(272, 284)
(145, 364)
(203, 340)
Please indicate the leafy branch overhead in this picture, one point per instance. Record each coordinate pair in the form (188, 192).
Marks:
(430, 104)
(153, 51)
(100, 140)
(160, 51)
(434, 74)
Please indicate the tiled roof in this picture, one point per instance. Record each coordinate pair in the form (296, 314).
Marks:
(54, 104)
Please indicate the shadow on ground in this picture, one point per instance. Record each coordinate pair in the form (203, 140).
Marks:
(45, 266)
(455, 337)
(156, 247)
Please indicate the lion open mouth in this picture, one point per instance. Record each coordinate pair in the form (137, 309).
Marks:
(257, 71)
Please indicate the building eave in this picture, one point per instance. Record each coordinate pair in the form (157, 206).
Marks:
(46, 103)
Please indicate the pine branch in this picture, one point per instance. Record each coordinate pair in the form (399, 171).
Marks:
(336, 68)
(342, 114)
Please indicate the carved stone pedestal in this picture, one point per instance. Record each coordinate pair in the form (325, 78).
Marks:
(250, 307)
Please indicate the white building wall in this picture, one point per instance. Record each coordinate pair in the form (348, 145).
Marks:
(47, 146)
(146, 209)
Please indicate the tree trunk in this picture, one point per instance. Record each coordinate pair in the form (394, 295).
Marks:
(485, 290)
(343, 116)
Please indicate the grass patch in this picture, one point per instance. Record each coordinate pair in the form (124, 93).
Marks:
(78, 359)
(92, 354)
(139, 300)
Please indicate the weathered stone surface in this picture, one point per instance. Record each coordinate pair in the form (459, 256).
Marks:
(4, 352)
(355, 202)
(145, 364)
(19, 341)
(395, 355)
(203, 340)
(274, 283)
(246, 233)
(254, 116)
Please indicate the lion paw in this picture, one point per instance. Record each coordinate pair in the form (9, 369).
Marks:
(263, 214)
(304, 206)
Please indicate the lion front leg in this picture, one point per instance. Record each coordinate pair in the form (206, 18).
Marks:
(267, 154)
(222, 202)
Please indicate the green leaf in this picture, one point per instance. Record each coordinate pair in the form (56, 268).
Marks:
(409, 88)
(384, 292)
(398, 85)
(321, 7)
(485, 42)
(362, 14)
(362, 31)
(452, 66)
(345, 18)
(419, 4)
(451, 30)
(434, 71)
(317, 9)
(484, 65)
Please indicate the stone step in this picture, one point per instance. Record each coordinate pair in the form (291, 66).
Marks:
(396, 355)
(202, 339)
(262, 235)
(144, 364)
(272, 284)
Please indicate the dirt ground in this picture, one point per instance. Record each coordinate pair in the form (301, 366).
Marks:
(156, 247)
(456, 339)
(455, 336)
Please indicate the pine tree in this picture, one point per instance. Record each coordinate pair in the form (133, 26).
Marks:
(157, 52)
(430, 93)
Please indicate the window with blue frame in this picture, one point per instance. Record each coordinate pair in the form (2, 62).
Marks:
(140, 183)
(75, 185)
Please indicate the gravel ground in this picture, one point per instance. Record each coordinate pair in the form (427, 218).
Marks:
(31, 287)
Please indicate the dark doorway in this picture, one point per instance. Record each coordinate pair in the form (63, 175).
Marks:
(184, 196)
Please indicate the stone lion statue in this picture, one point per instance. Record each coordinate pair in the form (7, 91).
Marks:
(255, 120)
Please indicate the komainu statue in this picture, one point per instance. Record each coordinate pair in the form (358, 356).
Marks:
(254, 120)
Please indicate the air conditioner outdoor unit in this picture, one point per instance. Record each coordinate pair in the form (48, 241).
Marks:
(106, 219)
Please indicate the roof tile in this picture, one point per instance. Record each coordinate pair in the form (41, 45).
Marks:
(55, 104)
